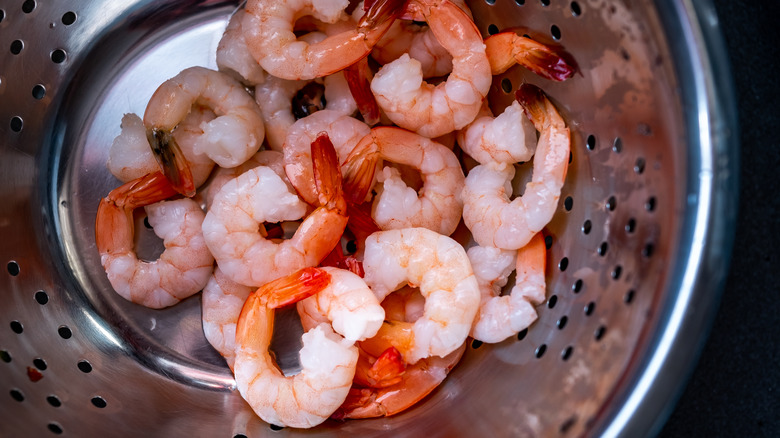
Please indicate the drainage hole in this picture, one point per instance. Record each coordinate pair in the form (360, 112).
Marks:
(85, 366)
(555, 32)
(540, 351)
(562, 322)
(490, 2)
(568, 203)
(611, 203)
(239, 435)
(13, 268)
(602, 251)
(631, 225)
(28, 6)
(647, 251)
(548, 241)
(586, 227)
(492, 29)
(650, 204)
(617, 145)
(99, 402)
(54, 401)
(38, 92)
(39, 363)
(58, 56)
(566, 353)
(616, 272)
(639, 166)
(552, 301)
(590, 308)
(17, 327)
(55, 428)
(563, 264)
(2, 15)
(16, 126)
(275, 427)
(629, 297)
(17, 46)
(599, 333)
(522, 334)
(64, 332)
(567, 425)
(577, 286)
(591, 142)
(476, 344)
(5, 356)
(545, 2)
(575, 9)
(68, 18)
(41, 297)
(17, 395)
(520, 2)
(506, 85)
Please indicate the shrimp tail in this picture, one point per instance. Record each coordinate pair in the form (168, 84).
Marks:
(507, 48)
(293, 288)
(358, 77)
(327, 174)
(379, 15)
(171, 160)
(361, 223)
(337, 259)
(386, 370)
(359, 169)
(114, 215)
(543, 114)
(360, 403)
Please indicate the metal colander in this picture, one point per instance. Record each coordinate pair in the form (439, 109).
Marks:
(637, 251)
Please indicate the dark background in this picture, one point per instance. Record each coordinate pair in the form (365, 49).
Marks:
(733, 391)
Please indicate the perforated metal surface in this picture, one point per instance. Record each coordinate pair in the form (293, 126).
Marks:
(638, 238)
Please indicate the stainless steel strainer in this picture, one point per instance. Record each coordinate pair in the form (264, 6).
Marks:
(637, 252)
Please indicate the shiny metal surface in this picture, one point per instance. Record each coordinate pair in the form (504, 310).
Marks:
(639, 244)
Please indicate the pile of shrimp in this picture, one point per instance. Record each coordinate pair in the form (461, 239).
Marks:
(317, 168)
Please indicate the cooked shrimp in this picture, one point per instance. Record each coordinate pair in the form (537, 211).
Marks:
(229, 140)
(259, 195)
(496, 221)
(430, 110)
(500, 317)
(268, 29)
(181, 270)
(439, 266)
(343, 131)
(508, 138)
(416, 39)
(131, 158)
(327, 360)
(346, 303)
(416, 382)
(233, 56)
(271, 159)
(506, 49)
(438, 206)
(221, 305)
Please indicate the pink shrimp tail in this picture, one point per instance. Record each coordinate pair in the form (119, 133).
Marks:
(380, 14)
(359, 168)
(505, 49)
(337, 259)
(358, 77)
(172, 162)
(293, 288)
(386, 370)
(327, 174)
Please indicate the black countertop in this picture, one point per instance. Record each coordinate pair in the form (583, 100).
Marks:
(733, 390)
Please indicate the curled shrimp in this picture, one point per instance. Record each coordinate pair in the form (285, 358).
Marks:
(221, 306)
(429, 110)
(438, 206)
(500, 317)
(259, 195)
(233, 57)
(131, 158)
(439, 266)
(506, 49)
(327, 360)
(493, 219)
(268, 29)
(284, 101)
(344, 133)
(181, 270)
(508, 138)
(229, 140)
(272, 159)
